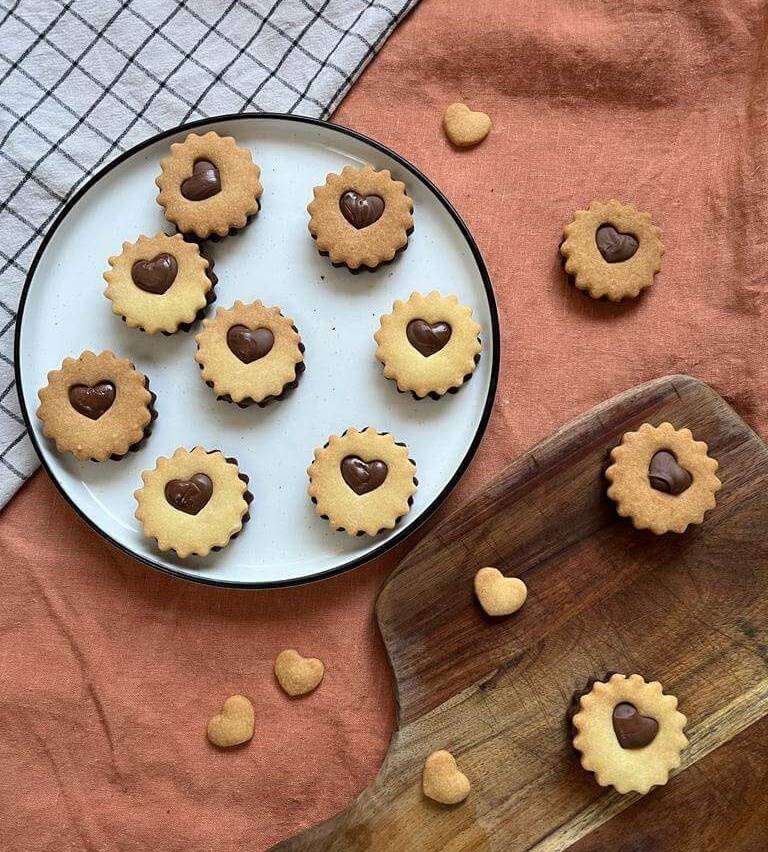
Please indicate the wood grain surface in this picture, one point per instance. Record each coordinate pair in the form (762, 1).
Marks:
(689, 610)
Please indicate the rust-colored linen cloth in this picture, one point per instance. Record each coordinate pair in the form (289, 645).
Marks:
(108, 671)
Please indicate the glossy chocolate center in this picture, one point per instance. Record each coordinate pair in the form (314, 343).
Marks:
(250, 344)
(156, 275)
(665, 474)
(189, 495)
(427, 338)
(363, 476)
(633, 730)
(203, 183)
(361, 210)
(92, 400)
(615, 246)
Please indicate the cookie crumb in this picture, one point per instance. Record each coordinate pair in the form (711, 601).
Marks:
(442, 780)
(298, 675)
(465, 128)
(234, 725)
(499, 595)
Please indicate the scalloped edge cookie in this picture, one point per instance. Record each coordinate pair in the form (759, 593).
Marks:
(590, 271)
(370, 246)
(636, 769)
(232, 207)
(375, 511)
(655, 510)
(446, 370)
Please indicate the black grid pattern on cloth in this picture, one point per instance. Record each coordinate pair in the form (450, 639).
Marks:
(81, 81)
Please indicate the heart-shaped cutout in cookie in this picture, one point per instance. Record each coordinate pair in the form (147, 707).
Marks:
(631, 728)
(155, 276)
(92, 401)
(363, 476)
(361, 210)
(189, 495)
(465, 128)
(250, 344)
(666, 474)
(234, 725)
(499, 595)
(427, 338)
(298, 675)
(442, 780)
(204, 182)
(614, 245)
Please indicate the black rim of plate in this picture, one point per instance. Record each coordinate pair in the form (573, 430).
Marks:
(397, 537)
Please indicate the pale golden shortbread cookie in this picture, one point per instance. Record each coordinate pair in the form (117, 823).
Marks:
(159, 283)
(250, 353)
(298, 675)
(362, 482)
(662, 478)
(360, 218)
(209, 185)
(96, 406)
(629, 733)
(442, 780)
(611, 250)
(499, 595)
(464, 127)
(429, 345)
(193, 502)
(234, 725)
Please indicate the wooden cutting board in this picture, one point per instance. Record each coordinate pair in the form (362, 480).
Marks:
(689, 610)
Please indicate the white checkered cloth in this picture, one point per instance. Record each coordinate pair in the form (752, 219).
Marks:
(83, 80)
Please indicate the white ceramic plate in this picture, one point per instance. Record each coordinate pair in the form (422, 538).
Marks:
(63, 312)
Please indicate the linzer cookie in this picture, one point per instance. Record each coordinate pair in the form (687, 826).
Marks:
(160, 283)
(429, 345)
(362, 482)
(209, 185)
(360, 218)
(611, 250)
(250, 354)
(629, 733)
(193, 502)
(662, 478)
(97, 407)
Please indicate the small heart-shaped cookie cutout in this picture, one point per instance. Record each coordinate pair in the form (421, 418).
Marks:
(363, 476)
(156, 275)
(631, 728)
(465, 128)
(250, 344)
(298, 675)
(189, 495)
(204, 182)
(427, 338)
(614, 245)
(234, 725)
(666, 474)
(499, 595)
(361, 210)
(442, 780)
(92, 401)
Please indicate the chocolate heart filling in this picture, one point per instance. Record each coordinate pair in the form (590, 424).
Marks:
(614, 245)
(362, 476)
(361, 210)
(156, 275)
(665, 474)
(92, 400)
(189, 495)
(204, 182)
(633, 730)
(427, 338)
(250, 344)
